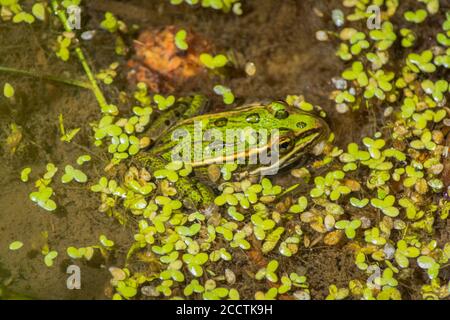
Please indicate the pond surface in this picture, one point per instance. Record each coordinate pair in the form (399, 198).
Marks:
(277, 36)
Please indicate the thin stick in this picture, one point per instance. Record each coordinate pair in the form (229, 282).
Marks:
(76, 83)
(94, 86)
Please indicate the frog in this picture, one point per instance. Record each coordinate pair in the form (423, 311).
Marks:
(296, 133)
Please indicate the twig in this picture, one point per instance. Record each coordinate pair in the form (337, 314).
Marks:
(88, 151)
(94, 86)
(76, 83)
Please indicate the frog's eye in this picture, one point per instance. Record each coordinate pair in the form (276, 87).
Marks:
(301, 124)
(285, 146)
(281, 114)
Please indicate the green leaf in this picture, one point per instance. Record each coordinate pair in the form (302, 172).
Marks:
(391, 211)
(106, 242)
(49, 257)
(23, 17)
(359, 203)
(16, 245)
(272, 266)
(342, 224)
(425, 262)
(127, 292)
(82, 159)
(180, 40)
(350, 233)
(79, 176)
(24, 174)
(39, 11)
(68, 137)
(401, 260)
(8, 91)
(416, 17)
(73, 253)
(211, 62)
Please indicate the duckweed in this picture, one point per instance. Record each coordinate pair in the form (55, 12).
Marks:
(349, 227)
(39, 10)
(23, 17)
(225, 92)
(213, 62)
(385, 37)
(394, 175)
(63, 51)
(180, 40)
(110, 22)
(83, 159)
(106, 242)
(42, 198)
(73, 174)
(269, 272)
(421, 62)
(78, 253)
(8, 91)
(24, 174)
(164, 102)
(224, 5)
(15, 245)
(416, 16)
(49, 258)
(408, 37)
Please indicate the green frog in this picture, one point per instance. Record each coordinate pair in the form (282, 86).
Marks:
(268, 137)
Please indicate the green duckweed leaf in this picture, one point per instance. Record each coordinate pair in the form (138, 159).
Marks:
(8, 90)
(16, 245)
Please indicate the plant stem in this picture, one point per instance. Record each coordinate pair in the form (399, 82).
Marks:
(94, 86)
(288, 190)
(76, 83)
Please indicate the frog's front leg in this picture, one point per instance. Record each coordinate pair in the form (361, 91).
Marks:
(193, 193)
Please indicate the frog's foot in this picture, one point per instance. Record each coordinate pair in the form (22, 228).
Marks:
(207, 209)
(196, 196)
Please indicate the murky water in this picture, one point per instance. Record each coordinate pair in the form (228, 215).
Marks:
(277, 36)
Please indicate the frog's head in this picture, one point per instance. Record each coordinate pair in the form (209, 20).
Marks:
(298, 131)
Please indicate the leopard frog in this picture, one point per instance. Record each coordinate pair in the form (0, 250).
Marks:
(274, 132)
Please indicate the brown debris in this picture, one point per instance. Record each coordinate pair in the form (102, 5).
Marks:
(160, 64)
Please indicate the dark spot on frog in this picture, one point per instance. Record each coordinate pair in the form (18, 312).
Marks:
(253, 118)
(281, 114)
(301, 124)
(221, 122)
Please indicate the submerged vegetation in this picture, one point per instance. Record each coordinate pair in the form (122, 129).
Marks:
(383, 199)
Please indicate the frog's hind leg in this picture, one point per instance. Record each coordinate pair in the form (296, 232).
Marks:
(194, 194)
(183, 108)
(196, 105)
